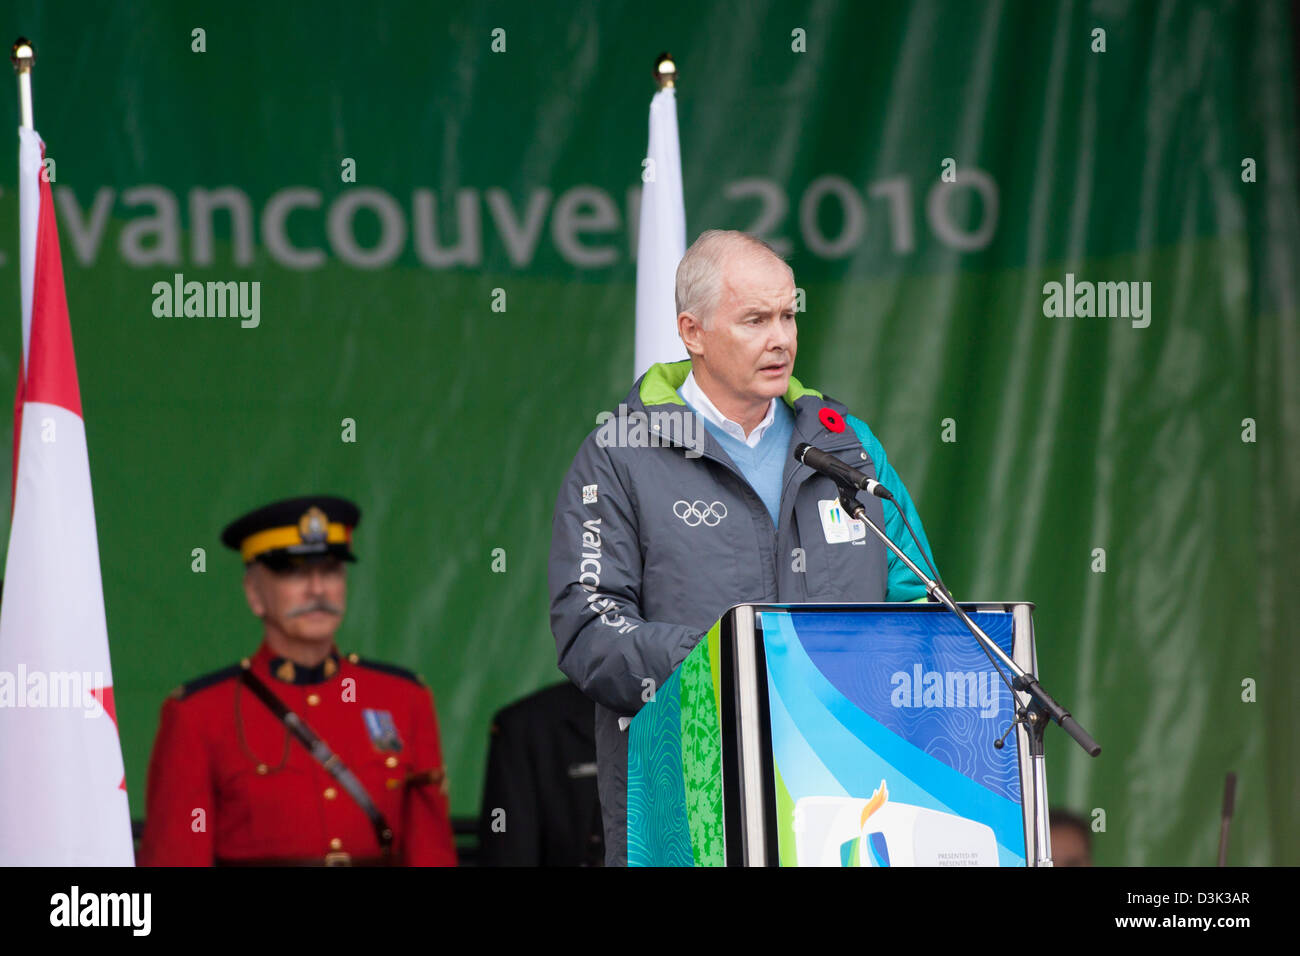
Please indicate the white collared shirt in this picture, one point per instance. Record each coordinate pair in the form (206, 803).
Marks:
(695, 396)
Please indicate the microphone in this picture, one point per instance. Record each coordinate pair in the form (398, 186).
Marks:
(832, 467)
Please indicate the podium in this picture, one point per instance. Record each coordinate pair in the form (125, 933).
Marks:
(837, 735)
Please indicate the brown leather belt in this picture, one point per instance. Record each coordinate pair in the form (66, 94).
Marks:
(330, 859)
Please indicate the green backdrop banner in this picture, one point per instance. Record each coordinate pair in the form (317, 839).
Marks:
(438, 203)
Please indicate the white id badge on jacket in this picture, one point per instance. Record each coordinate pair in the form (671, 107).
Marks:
(838, 526)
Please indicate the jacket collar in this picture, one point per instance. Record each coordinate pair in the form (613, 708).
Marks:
(656, 390)
(291, 672)
(659, 385)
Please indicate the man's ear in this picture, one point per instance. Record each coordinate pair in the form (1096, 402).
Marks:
(252, 593)
(690, 330)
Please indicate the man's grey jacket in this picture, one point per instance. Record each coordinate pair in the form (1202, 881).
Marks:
(656, 533)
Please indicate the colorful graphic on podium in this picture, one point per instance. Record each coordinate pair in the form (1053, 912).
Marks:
(882, 741)
(843, 831)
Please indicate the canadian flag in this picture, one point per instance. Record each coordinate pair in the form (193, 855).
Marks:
(62, 790)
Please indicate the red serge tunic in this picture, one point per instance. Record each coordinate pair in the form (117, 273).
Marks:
(228, 782)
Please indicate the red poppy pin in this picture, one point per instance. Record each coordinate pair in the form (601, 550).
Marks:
(831, 419)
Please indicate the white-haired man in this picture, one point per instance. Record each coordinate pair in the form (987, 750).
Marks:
(654, 539)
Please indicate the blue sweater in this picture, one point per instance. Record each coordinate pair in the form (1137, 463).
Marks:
(764, 464)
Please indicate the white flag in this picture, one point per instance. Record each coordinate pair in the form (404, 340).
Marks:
(62, 788)
(661, 242)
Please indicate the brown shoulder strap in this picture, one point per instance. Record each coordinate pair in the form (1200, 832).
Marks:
(324, 756)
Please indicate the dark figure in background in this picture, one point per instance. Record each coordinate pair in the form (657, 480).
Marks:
(1071, 839)
(540, 806)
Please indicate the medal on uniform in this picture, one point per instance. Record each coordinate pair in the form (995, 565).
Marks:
(382, 730)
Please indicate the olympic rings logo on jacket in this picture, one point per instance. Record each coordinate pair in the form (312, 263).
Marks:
(698, 512)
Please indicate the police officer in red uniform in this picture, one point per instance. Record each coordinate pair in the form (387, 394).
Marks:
(298, 755)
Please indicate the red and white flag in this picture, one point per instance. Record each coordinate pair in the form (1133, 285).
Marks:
(62, 789)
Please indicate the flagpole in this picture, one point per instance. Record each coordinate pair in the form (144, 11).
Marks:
(23, 55)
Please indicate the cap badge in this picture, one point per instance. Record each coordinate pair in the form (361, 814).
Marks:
(313, 526)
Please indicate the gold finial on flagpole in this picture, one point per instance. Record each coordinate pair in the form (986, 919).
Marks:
(665, 71)
(23, 55)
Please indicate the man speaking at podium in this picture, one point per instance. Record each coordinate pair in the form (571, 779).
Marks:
(688, 500)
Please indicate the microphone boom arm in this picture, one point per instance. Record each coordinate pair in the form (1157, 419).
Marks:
(1023, 682)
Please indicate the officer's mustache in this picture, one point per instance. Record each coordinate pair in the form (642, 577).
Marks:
(322, 605)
